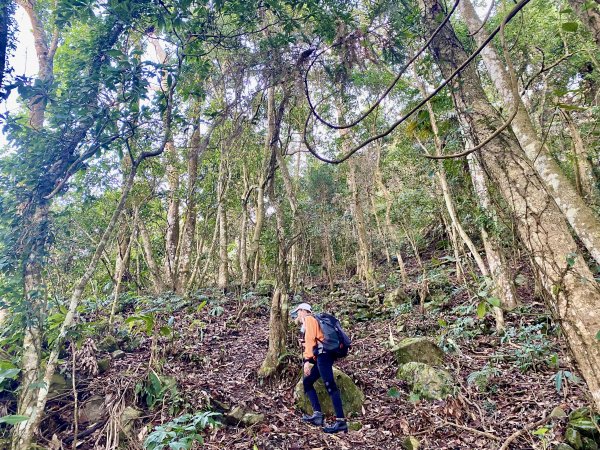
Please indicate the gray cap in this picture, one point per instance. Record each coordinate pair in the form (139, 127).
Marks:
(304, 306)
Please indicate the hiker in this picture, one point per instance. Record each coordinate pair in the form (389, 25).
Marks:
(318, 363)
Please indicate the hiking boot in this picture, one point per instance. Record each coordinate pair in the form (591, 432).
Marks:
(315, 419)
(339, 425)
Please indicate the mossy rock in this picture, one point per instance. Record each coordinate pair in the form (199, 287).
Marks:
(239, 415)
(103, 365)
(352, 397)
(108, 344)
(128, 418)
(426, 381)
(563, 446)
(420, 350)
(396, 297)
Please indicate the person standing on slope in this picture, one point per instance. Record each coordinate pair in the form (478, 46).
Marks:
(318, 364)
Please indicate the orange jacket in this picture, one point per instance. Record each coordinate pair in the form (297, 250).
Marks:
(312, 336)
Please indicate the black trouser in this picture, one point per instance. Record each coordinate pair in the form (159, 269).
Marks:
(324, 369)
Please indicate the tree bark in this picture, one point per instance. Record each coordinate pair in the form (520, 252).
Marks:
(587, 185)
(198, 146)
(574, 296)
(223, 277)
(580, 216)
(155, 273)
(493, 250)
(589, 14)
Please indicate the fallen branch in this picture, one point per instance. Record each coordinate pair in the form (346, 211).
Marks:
(518, 433)
(473, 430)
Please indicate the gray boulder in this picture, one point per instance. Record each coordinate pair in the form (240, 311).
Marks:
(352, 397)
(420, 350)
(396, 297)
(426, 381)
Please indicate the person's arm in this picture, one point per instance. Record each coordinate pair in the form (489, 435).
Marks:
(310, 338)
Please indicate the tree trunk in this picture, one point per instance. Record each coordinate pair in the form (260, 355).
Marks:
(364, 263)
(580, 216)
(279, 302)
(198, 146)
(327, 254)
(588, 12)
(493, 250)
(243, 253)
(223, 277)
(155, 273)
(36, 218)
(587, 185)
(121, 265)
(37, 397)
(574, 296)
(172, 232)
(188, 231)
(45, 50)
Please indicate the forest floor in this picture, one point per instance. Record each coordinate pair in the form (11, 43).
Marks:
(213, 352)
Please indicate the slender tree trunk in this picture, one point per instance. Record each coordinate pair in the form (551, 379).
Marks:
(121, 265)
(451, 232)
(188, 231)
(253, 253)
(279, 301)
(327, 254)
(223, 277)
(172, 232)
(493, 250)
(45, 49)
(364, 263)
(382, 235)
(573, 295)
(279, 305)
(243, 256)
(580, 216)
(587, 185)
(243, 253)
(198, 146)
(155, 273)
(211, 249)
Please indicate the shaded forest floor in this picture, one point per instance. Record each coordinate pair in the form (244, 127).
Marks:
(214, 345)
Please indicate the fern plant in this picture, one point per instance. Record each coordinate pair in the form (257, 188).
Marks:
(182, 432)
(482, 378)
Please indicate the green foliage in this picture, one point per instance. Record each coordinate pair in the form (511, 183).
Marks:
(482, 378)
(182, 432)
(531, 346)
(562, 377)
(13, 419)
(8, 373)
(156, 389)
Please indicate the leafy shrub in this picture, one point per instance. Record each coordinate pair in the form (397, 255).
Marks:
(182, 432)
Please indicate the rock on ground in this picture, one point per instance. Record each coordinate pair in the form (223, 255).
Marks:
(426, 381)
(352, 397)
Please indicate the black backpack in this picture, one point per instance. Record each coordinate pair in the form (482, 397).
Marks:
(335, 340)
